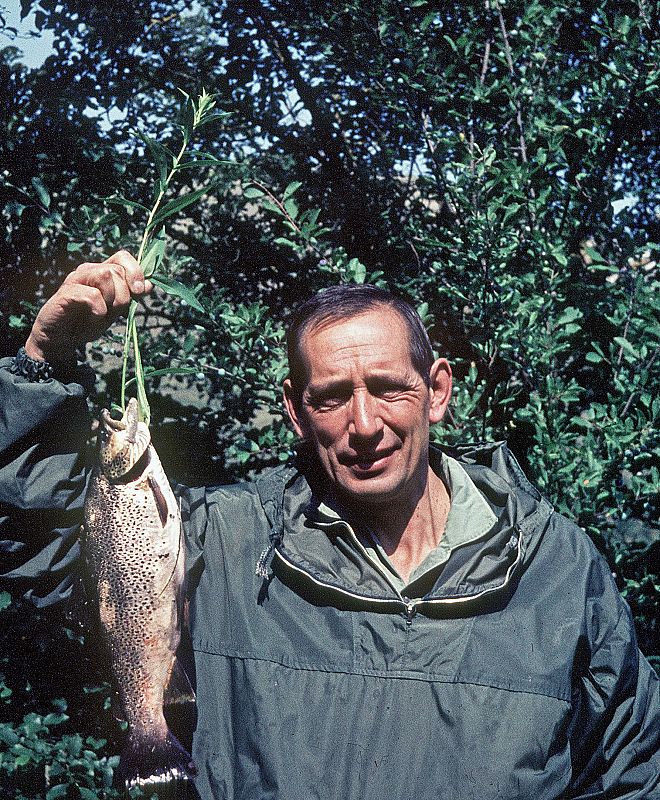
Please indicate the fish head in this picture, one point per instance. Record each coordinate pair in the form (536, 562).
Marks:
(122, 442)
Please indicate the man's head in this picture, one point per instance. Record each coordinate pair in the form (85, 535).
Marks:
(345, 302)
(363, 389)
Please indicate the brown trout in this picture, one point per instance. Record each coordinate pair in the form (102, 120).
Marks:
(133, 549)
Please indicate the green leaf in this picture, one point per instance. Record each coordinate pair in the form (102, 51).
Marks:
(55, 719)
(594, 358)
(291, 208)
(8, 735)
(178, 204)
(163, 158)
(60, 790)
(595, 255)
(217, 116)
(5, 600)
(252, 192)
(284, 241)
(122, 201)
(88, 794)
(625, 345)
(177, 289)
(201, 162)
(158, 373)
(569, 314)
(356, 270)
(153, 257)
(291, 188)
(270, 206)
(42, 192)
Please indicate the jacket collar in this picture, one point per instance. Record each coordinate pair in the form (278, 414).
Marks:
(322, 555)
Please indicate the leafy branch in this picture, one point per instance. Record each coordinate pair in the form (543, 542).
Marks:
(196, 113)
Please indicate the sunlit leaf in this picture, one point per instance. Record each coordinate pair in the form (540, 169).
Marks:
(252, 192)
(153, 257)
(177, 289)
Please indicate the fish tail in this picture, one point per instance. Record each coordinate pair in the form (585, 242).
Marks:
(161, 765)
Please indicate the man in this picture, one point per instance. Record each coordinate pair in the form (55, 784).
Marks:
(420, 623)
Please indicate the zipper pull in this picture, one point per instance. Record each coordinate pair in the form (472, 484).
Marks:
(411, 609)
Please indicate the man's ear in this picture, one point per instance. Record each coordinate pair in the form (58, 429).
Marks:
(292, 405)
(440, 389)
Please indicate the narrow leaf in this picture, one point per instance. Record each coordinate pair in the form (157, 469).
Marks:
(157, 373)
(42, 192)
(162, 157)
(201, 162)
(153, 257)
(219, 115)
(122, 201)
(177, 204)
(177, 289)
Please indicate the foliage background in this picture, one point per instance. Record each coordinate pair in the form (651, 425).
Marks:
(495, 162)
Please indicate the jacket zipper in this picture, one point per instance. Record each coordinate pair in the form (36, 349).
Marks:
(410, 607)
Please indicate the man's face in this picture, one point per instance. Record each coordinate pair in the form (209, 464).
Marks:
(365, 409)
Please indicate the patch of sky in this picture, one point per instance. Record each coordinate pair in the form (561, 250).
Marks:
(293, 110)
(35, 45)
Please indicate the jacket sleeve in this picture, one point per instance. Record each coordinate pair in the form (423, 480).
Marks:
(615, 730)
(43, 477)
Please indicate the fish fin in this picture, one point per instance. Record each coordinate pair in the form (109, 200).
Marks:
(155, 765)
(179, 690)
(161, 502)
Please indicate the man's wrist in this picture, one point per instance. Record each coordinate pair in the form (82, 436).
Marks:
(40, 352)
(33, 351)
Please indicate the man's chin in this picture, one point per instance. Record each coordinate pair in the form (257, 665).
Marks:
(373, 490)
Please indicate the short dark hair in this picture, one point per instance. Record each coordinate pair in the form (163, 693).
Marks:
(342, 302)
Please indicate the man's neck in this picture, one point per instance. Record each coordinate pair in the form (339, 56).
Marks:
(409, 533)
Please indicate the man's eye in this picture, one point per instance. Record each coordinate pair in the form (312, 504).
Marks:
(328, 401)
(331, 401)
(387, 390)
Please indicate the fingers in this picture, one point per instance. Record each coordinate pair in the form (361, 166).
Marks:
(118, 279)
(90, 298)
(132, 271)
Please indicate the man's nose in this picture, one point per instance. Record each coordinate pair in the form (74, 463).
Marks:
(365, 420)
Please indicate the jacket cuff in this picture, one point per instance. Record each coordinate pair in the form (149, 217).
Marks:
(29, 370)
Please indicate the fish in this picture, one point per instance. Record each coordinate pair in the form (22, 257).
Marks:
(134, 561)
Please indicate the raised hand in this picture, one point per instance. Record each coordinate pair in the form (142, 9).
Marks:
(85, 305)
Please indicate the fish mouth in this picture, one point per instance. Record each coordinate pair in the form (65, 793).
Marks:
(128, 423)
(112, 424)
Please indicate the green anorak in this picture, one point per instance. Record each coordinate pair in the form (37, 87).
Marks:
(516, 674)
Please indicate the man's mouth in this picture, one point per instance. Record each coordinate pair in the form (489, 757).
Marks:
(369, 462)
